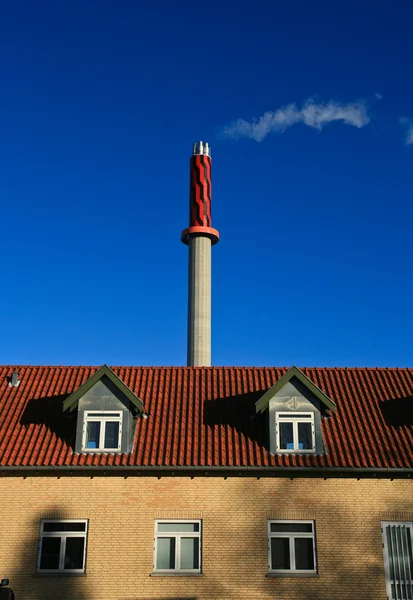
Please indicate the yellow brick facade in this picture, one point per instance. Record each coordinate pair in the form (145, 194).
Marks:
(234, 513)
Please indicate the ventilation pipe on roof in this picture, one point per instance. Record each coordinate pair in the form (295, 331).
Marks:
(14, 380)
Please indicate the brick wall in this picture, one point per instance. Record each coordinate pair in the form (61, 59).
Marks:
(234, 513)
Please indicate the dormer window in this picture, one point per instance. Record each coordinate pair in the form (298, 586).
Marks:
(106, 413)
(295, 409)
(295, 432)
(102, 431)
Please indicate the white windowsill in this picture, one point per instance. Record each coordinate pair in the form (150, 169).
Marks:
(292, 574)
(107, 450)
(299, 451)
(60, 574)
(174, 574)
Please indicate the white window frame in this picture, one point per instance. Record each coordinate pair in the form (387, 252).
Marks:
(178, 535)
(400, 568)
(291, 537)
(63, 535)
(91, 416)
(288, 417)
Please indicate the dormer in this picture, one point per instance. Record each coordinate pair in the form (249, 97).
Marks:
(107, 411)
(295, 408)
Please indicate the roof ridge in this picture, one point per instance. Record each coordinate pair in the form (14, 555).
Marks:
(212, 367)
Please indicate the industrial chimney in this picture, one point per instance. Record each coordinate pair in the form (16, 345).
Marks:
(199, 237)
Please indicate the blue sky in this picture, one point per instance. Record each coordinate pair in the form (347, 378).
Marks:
(100, 104)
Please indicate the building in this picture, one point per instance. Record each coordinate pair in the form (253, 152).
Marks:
(205, 482)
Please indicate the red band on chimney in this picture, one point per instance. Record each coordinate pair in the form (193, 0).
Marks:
(200, 191)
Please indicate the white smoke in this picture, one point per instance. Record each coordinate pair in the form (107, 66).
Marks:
(311, 114)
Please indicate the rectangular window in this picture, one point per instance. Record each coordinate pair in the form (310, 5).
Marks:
(102, 431)
(62, 546)
(295, 432)
(291, 547)
(398, 559)
(177, 547)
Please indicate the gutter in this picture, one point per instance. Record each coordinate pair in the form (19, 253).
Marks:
(220, 471)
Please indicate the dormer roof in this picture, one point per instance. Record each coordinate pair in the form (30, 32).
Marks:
(262, 404)
(71, 401)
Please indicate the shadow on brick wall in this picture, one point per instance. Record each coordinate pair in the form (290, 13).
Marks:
(30, 585)
(348, 547)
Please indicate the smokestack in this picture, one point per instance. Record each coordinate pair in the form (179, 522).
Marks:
(199, 237)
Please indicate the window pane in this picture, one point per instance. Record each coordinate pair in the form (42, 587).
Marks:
(103, 414)
(305, 441)
(189, 553)
(409, 552)
(391, 553)
(178, 527)
(280, 553)
(399, 550)
(304, 555)
(293, 415)
(286, 436)
(92, 434)
(74, 552)
(50, 553)
(291, 527)
(399, 553)
(112, 434)
(165, 553)
(59, 526)
(406, 560)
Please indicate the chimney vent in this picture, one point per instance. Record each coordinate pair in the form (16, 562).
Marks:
(14, 380)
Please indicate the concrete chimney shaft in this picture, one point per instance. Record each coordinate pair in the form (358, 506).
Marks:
(199, 236)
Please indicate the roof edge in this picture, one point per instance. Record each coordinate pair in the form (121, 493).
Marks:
(219, 471)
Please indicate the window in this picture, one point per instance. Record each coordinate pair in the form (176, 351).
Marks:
(102, 431)
(295, 432)
(291, 547)
(398, 559)
(62, 547)
(177, 547)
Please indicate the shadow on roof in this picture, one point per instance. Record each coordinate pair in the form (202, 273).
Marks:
(48, 411)
(398, 412)
(238, 412)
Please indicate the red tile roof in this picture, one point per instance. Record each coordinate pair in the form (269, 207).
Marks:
(205, 417)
